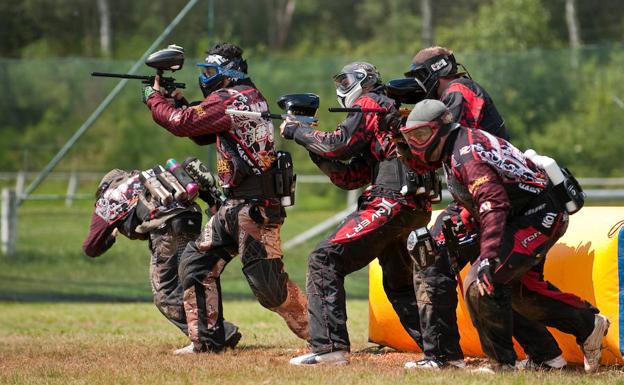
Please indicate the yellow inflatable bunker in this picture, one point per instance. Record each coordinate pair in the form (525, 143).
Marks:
(587, 261)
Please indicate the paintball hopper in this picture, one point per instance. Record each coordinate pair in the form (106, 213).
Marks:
(168, 59)
(299, 104)
(406, 91)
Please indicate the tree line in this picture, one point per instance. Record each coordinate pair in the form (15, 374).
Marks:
(552, 66)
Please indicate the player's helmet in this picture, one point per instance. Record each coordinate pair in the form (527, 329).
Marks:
(223, 61)
(429, 71)
(113, 177)
(353, 80)
(426, 130)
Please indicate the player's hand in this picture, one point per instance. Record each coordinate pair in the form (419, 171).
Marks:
(156, 85)
(485, 281)
(177, 95)
(288, 128)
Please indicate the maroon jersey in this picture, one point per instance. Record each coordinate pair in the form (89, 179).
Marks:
(493, 180)
(245, 146)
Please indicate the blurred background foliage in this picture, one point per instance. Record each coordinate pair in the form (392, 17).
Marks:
(560, 91)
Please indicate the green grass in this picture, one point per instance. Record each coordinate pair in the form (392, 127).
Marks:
(50, 266)
(78, 343)
(63, 321)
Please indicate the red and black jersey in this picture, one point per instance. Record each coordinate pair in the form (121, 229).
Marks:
(350, 155)
(245, 146)
(493, 180)
(473, 107)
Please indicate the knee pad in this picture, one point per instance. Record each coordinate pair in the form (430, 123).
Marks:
(196, 265)
(267, 280)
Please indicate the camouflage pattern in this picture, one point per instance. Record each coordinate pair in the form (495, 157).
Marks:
(294, 311)
(253, 231)
(167, 247)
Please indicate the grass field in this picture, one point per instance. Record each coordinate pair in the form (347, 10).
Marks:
(68, 319)
(80, 343)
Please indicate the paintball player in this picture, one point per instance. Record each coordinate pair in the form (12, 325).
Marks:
(357, 153)
(123, 205)
(470, 106)
(249, 222)
(520, 216)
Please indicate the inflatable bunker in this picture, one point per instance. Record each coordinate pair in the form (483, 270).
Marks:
(587, 261)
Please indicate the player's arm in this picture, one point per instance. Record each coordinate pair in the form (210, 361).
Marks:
(208, 117)
(349, 176)
(101, 237)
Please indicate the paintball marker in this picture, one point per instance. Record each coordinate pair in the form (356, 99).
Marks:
(403, 91)
(301, 107)
(458, 241)
(168, 59)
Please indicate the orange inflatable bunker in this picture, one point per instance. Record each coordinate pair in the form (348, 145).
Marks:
(586, 261)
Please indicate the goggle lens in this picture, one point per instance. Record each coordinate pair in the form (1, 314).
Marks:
(419, 135)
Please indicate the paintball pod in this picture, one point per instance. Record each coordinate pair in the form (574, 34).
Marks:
(168, 59)
(181, 183)
(300, 107)
(204, 178)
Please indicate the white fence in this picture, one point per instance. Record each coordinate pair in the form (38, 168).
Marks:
(609, 189)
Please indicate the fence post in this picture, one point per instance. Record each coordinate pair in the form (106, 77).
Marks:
(8, 222)
(19, 183)
(72, 186)
(352, 197)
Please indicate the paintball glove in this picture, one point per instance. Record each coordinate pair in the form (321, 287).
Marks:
(288, 128)
(147, 92)
(485, 281)
(391, 122)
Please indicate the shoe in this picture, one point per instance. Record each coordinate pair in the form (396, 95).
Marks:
(189, 349)
(490, 368)
(231, 343)
(233, 339)
(555, 364)
(434, 364)
(592, 346)
(332, 358)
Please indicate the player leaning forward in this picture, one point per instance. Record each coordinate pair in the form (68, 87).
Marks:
(357, 153)
(249, 222)
(125, 206)
(521, 215)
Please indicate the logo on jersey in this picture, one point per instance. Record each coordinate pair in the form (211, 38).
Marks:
(485, 207)
(478, 183)
(535, 209)
(530, 239)
(529, 188)
(548, 220)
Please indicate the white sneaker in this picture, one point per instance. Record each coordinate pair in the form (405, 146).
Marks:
(189, 349)
(592, 346)
(432, 364)
(556, 363)
(332, 358)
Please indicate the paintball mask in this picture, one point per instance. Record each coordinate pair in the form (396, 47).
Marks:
(430, 71)
(426, 130)
(216, 69)
(353, 80)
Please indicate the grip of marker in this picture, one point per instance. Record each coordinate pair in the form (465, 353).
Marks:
(183, 177)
